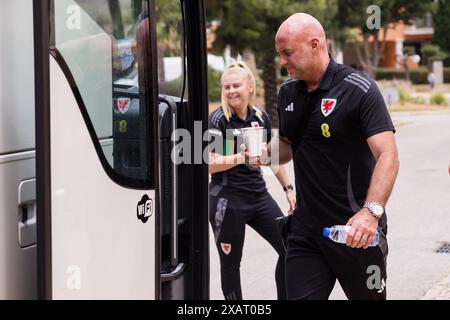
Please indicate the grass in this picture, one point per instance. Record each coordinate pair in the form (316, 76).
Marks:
(426, 88)
(409, 106)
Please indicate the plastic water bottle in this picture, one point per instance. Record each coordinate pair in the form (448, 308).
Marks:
(338, 234)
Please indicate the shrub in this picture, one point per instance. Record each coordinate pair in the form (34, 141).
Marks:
(447, 62)
(404, 94)
(214, 87)
(174, 87)
(439, 99)
(419, 100)
(389, 74)
(419, 76)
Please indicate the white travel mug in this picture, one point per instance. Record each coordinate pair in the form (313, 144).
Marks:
(253, 139)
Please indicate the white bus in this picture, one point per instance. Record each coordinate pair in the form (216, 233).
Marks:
(91, 205)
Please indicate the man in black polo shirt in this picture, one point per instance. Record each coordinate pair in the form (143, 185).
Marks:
(335, 125)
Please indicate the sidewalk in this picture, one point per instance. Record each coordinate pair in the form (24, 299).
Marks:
(406, 117)
(440, 291)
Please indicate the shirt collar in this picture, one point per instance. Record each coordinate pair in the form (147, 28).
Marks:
(250, 114)
(327, 78)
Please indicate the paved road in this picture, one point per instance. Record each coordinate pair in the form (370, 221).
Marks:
(419, 219)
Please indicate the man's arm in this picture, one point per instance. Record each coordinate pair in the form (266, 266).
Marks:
(364, 225)
(280, 146)
(284, 182)
(384, 150)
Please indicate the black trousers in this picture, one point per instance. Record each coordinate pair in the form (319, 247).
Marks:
(228, 216)
(313, 265)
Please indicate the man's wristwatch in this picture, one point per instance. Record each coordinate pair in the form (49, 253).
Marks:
(375, 209)
(288, 187)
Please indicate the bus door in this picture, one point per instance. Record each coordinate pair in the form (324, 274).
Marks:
(181, 47)
(115, 218)
(98, 235)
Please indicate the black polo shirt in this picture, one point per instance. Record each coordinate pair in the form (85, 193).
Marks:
(332, 160)
(241, 180)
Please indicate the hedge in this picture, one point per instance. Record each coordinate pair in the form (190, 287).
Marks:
(214, 86)
(389, 74)
(174, 87)
(447, 75)
(417, 76)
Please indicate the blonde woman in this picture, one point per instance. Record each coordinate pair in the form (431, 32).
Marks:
(238, 193)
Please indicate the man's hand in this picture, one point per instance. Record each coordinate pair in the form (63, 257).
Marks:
(254, 162)
(265, 155)
(363, 229)
(292, 199)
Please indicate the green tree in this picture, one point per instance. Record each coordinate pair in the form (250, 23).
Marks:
(116, 16)
(169, 30)
(433, 53)
(407, 52)
(354, 14)
(169, 27)
(136, 8)
(252, 24)
(441, 23)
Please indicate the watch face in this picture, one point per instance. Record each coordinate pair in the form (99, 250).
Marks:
(377, 210)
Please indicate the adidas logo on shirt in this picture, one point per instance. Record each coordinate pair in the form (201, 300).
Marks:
(290, 107)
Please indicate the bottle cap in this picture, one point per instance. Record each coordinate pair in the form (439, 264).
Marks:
(326, 232)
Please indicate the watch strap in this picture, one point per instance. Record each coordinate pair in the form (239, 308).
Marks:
(369, 205)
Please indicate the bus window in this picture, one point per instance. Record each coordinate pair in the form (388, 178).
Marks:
(99, 43)
(171, 75)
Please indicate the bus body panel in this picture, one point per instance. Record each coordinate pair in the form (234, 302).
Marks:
(114, 259)
(18, 277)
(16, 76)
(18, 263)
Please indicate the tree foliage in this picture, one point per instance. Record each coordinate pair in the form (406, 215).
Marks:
(169, 27)
(252, 24)
(354, 14)
(433, 53)
(441, 23)
(408, 51)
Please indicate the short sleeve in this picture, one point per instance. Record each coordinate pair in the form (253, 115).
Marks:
(267, 125)
(279, 104)
(214, 120)
(373, 114)
(216, 131)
